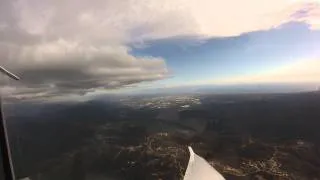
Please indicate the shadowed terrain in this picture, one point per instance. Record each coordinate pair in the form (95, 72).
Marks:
(249, 136)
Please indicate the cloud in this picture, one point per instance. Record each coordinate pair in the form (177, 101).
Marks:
(129, 20)
(61, 67)
(80, 46)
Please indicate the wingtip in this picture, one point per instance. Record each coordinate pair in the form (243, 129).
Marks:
(9, 74)
(191, 153)
(190, 150)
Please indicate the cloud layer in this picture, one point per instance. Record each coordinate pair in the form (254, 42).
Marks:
(78, 46)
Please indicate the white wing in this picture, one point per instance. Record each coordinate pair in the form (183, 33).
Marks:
(199, 169)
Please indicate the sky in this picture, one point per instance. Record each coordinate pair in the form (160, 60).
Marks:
(76, 47)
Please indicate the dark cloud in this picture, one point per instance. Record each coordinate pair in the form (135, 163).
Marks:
(61, 68)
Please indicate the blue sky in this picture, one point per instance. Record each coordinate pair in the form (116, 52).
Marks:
(192, 59)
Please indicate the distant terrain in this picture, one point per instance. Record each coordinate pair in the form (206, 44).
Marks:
(247, 136)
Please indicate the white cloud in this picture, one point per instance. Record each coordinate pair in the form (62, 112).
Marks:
(133, 19)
